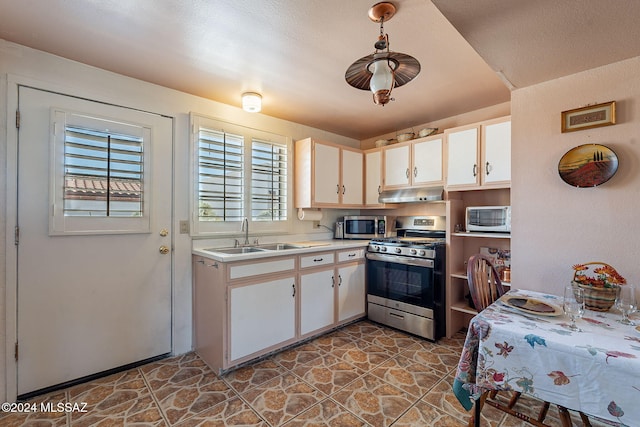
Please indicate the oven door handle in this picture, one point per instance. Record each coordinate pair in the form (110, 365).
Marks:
(419, 262)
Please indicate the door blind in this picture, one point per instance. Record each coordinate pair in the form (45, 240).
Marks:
(103, 173)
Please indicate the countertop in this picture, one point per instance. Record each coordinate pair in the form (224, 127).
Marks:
(309, 247)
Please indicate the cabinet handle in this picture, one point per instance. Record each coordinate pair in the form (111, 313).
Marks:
(337, 188)
(487, 168)
(318, 259)
(294, 290)
(475, 170)
(407, 173)
(201, 261)
(396, 315)
(379, 189)
(339, 280)
(333, 281)
(351, 255)
(215, 264)
(415, 171)
(343, 189)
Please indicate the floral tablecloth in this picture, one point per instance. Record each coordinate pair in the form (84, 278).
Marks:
(596, 371)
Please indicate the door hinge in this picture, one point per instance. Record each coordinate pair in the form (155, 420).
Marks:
(16, 235)
(16, 351)
(17, 119)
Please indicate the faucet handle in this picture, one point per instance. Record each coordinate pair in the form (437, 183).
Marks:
(255, 241)
(236, 244)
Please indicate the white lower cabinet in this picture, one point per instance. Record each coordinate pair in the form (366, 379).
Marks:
(351, 291)
(261, 315)
(317, 300)
(245, 309)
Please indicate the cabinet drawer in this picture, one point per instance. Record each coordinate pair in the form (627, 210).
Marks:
(238, 271)
(351, 255)
(315, 260)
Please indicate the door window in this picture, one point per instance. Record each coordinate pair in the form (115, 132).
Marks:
(98, 168)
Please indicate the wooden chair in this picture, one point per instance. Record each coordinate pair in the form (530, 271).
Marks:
(485, 288)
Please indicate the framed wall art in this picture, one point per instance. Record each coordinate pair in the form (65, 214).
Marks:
(588, 117)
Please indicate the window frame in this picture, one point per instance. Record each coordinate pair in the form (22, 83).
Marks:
(233, 228)
(61, 225)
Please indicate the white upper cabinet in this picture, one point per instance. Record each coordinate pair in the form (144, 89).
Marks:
(327, 175)
(352, 185)
(479, 155)
(373, 176)
(497, 152)
(414, 164)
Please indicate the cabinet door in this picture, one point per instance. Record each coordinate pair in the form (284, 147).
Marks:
(497, 152)
(462, 155)
(351, 291)
(396, 166)
(373, 177)
(352, 175)
(316, 300)
(261, 315)
(326, 174)
(427, 162)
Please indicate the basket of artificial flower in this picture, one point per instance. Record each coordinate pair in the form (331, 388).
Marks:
(600, 283)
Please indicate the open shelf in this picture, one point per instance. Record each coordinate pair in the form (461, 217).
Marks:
(463, 308)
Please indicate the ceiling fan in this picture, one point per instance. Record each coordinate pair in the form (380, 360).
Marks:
(383, 70)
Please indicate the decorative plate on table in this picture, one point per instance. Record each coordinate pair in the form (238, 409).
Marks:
(588, 165)
(531, 305)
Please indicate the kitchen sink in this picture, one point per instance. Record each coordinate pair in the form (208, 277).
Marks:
(281, 246)
(241, 250)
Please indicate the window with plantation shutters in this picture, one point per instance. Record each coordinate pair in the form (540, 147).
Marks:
(238, 173)
(99, 169)
(220, 176)
(268, 181)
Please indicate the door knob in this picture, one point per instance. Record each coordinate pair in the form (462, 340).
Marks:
(164, 250)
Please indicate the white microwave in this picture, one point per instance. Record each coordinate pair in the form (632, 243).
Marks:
(488, 219)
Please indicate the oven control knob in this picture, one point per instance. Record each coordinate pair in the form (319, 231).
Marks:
(383, 249)
(413, 252)
(398, 250)
(422, 253)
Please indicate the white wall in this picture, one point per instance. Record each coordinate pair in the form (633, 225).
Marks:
(555, 225)
(18, 63)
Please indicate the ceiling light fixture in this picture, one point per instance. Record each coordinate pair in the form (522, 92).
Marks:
(251, 102)
(383, 70)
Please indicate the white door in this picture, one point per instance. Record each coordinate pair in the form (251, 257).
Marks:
(94, 290)
(316, 300)
(497, 153)
(261, 315)
(352, 174)
(396, 166)
(373, 178)
(351, 291)
(326, 173)
(463, 168)
(427, 162)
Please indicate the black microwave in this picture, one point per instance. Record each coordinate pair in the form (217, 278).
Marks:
(368, 227)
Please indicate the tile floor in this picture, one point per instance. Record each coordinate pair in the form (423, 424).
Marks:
(361, 375)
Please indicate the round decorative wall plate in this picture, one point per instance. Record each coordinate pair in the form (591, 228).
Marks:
(588, 165)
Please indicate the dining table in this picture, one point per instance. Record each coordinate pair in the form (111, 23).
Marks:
(514, 346)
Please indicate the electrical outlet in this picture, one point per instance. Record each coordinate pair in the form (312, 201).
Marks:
(184, 227)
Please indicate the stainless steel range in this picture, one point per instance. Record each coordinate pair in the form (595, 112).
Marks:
(406, 277)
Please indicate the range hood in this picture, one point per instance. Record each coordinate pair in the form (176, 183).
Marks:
(405, 195)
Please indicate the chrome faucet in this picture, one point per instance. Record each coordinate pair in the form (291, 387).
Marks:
(245, 228)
